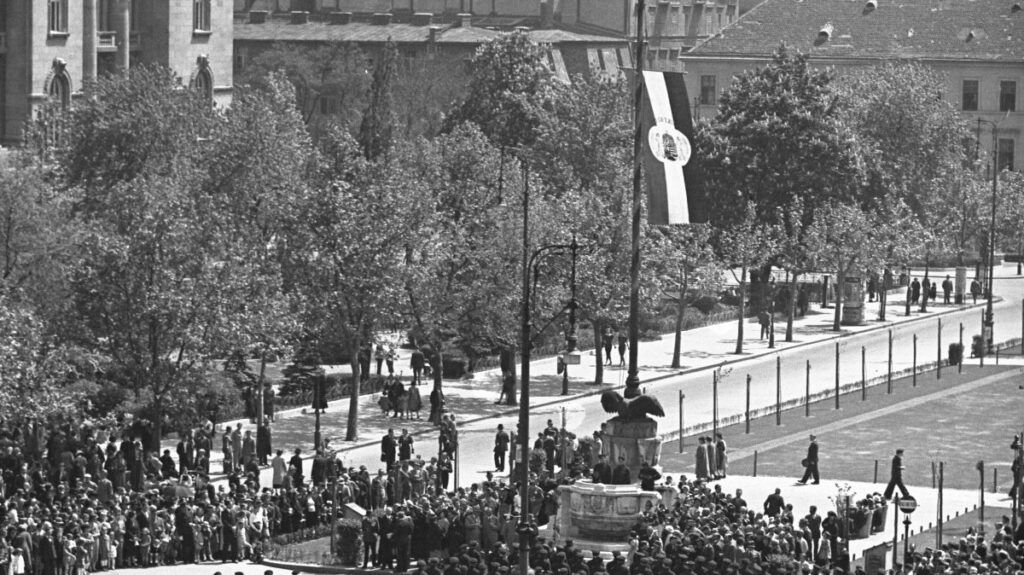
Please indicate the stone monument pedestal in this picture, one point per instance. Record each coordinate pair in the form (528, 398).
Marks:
(598, 517)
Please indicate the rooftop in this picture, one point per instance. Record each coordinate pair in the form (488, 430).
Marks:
(986, 30)
(282, 30)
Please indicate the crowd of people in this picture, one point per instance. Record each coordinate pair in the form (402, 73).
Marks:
(76, 499)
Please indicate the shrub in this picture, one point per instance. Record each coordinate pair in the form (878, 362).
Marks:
(348, 541)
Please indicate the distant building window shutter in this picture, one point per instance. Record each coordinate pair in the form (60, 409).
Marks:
(58, 16)
(1004, 159)
(201, 15)
(708, 89)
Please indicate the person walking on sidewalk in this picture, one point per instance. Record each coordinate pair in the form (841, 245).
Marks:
(606, 340)
(764, 320)
(811, 463)
(896, 477)
(975, 289)
(501, 441)
(915, 291)
(947, 288)
(623, 346)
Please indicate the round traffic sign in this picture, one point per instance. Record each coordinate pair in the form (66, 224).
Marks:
(907, 504)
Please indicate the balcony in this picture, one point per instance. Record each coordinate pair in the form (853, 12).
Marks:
(106, 42)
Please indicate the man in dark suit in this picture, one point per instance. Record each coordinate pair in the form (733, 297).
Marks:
(620, 475)
(811, 463)
(501, 441)
(602, 471)
(402, 541)
(389, 449)
(417, 361)
(896, 476)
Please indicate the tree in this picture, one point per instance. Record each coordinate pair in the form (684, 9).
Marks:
(357, 225)
(33, 369)
(508, 75)
(378, 119)
(581, 153)
(424, 89)
(913, 141)
(330, 79)
(779, 135)
(893, 236)
(747, 244)
(793, 254)
(689, 269)
(840, 233)
(174, 197)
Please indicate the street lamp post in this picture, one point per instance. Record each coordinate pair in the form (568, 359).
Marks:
(570, 335)
(990, 321)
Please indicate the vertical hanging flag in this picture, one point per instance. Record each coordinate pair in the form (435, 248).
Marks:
(667, 130)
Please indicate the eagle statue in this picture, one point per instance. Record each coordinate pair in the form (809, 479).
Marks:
(636, 409)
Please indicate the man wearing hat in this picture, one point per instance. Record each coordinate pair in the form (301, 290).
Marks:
(811, 463)
(896, 477)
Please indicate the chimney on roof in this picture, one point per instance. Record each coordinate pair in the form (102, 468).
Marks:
(825, 33)
(434, 32)
(464, 20)
(300, 17)
(381, 19)
(340, 18)
(258, 16)
(522, 29)
(870, 5)
(1015, 8)
(422, 19)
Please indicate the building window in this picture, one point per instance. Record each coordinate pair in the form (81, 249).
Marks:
(60, 90)
(707, 91)
(1004, 160)
(970, 96)
(203, 83)
(201, 15)
(1007, 96)
(58, 16)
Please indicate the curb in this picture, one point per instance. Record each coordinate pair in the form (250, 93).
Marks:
(317, 568)
(608, 387)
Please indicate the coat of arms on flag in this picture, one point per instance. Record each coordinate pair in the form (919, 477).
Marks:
(668, 163)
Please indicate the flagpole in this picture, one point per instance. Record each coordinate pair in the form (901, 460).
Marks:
(633, 377)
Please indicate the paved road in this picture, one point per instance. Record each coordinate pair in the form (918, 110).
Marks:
(815, 342)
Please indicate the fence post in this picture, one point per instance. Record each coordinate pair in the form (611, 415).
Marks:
(995, 478)
(681, 398)
(938, 363)
(960, 366)
(863, 373)
(913, 377)
(888, 378)
(933, 475)
(807, 391)
(875, 480)
(755, 463)
(714, 403)
(837, 375)
(746, 412)
(778, 390)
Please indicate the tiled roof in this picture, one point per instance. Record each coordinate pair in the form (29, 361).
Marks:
(278, 30)
(987, 30)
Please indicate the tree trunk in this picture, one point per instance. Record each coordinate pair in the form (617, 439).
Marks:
(794, 280)
(259, 387)
(883, 295)
(680, 315)
(840, 281)
(598, 352)
(739, 328)
(352, 430)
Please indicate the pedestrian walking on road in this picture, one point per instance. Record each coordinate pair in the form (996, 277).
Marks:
(811, 463)
(623, 346)
(896, 477)
(501, 441)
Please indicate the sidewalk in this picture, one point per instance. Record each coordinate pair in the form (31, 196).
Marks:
(473, 399)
